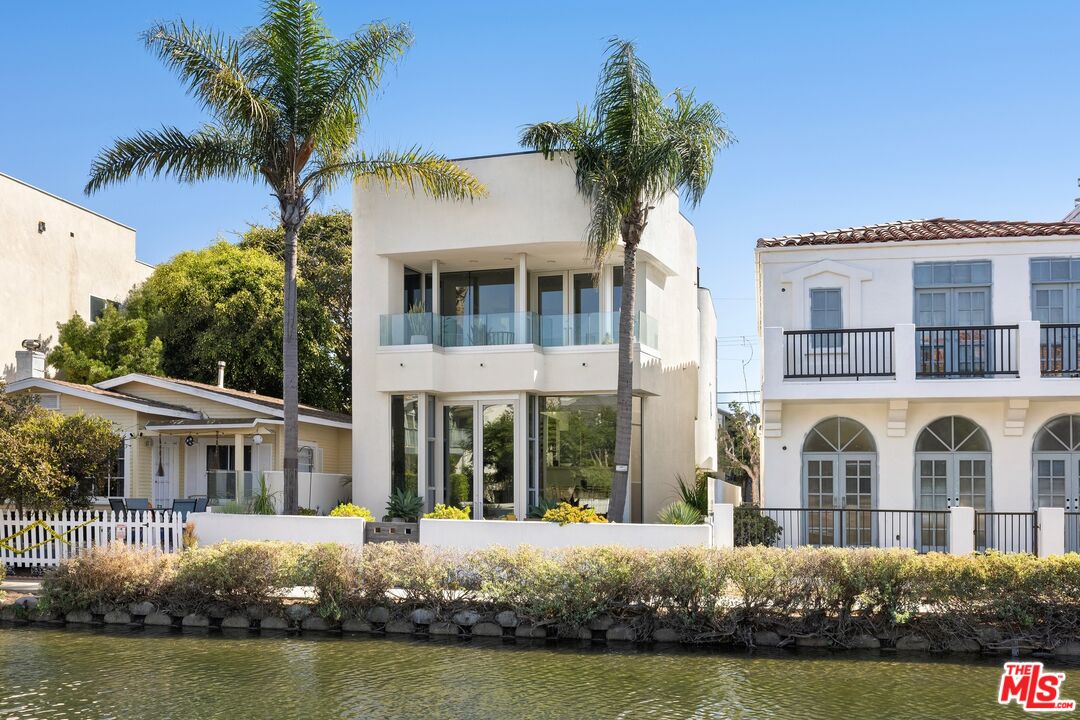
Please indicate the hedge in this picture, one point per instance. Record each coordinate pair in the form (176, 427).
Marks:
(699, 595)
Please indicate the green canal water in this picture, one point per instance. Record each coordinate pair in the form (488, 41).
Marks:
(52, 673)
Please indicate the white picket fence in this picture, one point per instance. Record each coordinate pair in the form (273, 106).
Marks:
(40, 539)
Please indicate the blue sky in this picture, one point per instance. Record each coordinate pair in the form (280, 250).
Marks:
(846, 113)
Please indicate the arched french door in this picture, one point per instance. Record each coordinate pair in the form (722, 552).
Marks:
(1055, 473)
(839, 483)
(952, 466)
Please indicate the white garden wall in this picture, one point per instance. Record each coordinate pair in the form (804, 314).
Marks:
(212, 528)
(477, 534)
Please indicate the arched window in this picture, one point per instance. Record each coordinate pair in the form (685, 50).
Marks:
(839, 482)
(1056, 459)
(952, 464)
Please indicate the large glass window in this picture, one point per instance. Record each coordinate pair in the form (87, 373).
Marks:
(404, 436)
(497, 479)
(577, 445)
(477, 308)
(458, 472)
(221, 470)
(1055, 302)
(417, 293)
(616, 289)
(952, 460)
(586, 309)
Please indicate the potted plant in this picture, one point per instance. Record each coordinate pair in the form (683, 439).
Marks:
(419, 324)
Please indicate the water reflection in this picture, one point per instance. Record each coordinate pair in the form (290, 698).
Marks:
(49, 673)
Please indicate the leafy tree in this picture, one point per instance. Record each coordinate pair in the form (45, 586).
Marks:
(48, 460)
(225, 303)
(324, 261)
(629, 151)
(285, 101)
(740, 449)
(115, 344)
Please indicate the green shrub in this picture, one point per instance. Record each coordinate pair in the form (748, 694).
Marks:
(566, 514)
(108, 577)
(750, 527)
(447, 512)
(537, 511)
(262, 503)
(680, 513)
(695, 494)
(350, 510)
(236, 575)
(404, 504)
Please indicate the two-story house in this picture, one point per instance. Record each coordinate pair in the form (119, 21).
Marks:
(920, 365)
(484, 348)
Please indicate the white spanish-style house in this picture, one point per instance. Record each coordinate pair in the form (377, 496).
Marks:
(184, 439)
(918, 366)
(58, 259)
(484, 348)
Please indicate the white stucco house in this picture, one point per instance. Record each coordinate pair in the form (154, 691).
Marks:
(58, 259)
(921, 365)
(484, 348)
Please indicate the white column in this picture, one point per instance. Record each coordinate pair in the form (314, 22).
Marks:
(521, 301)
(1029, 361)
(238, 441)
(422, 447)
(723, 525)
(435, 287)
(904, 354)
(772, 362)
(961, 530)
(1051, 530)
(521, 457)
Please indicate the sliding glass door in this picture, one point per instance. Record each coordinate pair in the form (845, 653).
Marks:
(485, 430)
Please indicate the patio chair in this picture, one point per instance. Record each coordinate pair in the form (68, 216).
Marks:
(201, 503)
(117, 506)
(183, 507)
(138, 504)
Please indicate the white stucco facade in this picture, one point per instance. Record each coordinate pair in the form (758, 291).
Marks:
(517, 325)
(984, 329)
(56, 256)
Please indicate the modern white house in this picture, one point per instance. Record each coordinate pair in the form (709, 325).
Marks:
(484, 348)
(918, 366)
(58, 259)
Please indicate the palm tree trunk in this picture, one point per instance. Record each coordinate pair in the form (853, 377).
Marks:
(292, 217)
(624, 398)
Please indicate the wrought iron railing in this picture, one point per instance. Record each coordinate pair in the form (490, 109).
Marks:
(922, 530)
(851, 353)
(1059, 349)
(973, 351)
(1007, 532)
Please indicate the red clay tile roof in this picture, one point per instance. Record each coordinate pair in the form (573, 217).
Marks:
(933, 229)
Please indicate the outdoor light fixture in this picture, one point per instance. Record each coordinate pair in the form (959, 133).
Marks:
(257, 440)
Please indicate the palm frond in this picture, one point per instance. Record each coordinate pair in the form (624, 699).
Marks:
(298, 47)
(210, 65)
(355, 72)
(209, 152)
(695, 134)
(413, 169)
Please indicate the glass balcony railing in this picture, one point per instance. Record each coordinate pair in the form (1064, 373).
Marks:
(510, 329)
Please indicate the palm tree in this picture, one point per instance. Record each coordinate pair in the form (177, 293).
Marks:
(630, 150)
(286, 100)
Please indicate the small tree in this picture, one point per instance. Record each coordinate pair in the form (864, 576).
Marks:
(48, 461)
(740, 449)
(114, 345)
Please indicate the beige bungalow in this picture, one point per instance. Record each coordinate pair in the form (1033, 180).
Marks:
(187, 439)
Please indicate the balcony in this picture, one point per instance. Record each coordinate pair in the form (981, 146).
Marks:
(818, 354)
(524, 328)
(966, 352)
(1059, 350)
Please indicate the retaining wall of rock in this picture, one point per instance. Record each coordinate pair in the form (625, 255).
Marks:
(300, 618)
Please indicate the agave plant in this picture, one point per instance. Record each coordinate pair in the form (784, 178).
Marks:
(680, 513)
(695, 494)
(404, 504)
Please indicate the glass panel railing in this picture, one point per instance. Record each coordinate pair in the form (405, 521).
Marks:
(409, 329)
(487, 329)
(511, 329)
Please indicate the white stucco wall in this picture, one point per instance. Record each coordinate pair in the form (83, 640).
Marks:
(212, 528)
(46, 277)
(478, 534)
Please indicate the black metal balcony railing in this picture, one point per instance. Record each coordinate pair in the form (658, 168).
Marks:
(921, 530)
(1059, 349)
(849, 353)
(973, 351)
